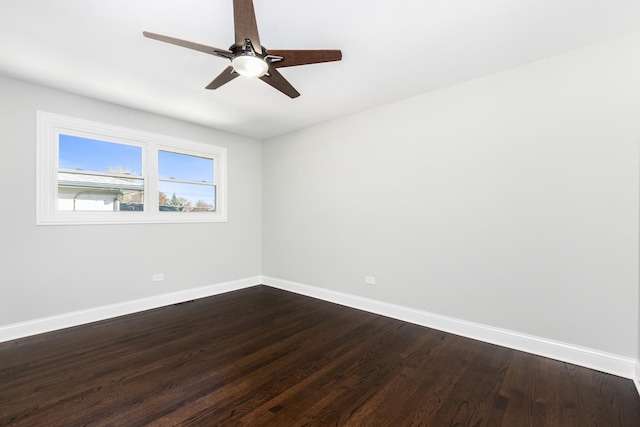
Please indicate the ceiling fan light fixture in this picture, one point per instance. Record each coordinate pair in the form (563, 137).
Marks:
(249, 66)
(249, 58)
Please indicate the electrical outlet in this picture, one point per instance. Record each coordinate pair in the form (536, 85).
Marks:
(369, 280)
(157, 277)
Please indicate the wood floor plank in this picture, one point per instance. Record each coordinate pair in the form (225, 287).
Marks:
(265, 357)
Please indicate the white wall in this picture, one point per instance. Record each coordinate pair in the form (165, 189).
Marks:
(50, 270)
(510, 201)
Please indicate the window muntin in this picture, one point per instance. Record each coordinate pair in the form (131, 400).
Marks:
(87, 171)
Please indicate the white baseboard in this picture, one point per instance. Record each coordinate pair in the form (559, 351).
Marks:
(66, 320)
(636, 380)
(605, 362)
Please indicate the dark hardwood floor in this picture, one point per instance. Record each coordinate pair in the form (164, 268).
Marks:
(261, 357)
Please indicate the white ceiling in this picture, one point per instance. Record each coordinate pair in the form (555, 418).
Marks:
(392, 49)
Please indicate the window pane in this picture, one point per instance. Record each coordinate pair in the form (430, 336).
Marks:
(98, 156)
(183, 197)
(82, 192)
(184, 167)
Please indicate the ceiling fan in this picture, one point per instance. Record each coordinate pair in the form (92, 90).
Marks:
(249, 58)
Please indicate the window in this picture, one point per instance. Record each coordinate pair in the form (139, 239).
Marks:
(190, 177)
(92, 173)
(98, 175)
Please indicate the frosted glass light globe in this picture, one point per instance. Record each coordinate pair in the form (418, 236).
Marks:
(249, 66)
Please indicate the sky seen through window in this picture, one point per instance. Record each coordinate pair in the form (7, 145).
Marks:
(84, 154)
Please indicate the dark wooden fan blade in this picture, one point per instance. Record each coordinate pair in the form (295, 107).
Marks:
(225, 77)
(277, 80)
(303, 57)
(245, 25)
(191, 45)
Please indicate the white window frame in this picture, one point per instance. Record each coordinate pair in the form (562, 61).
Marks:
(50, 126)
